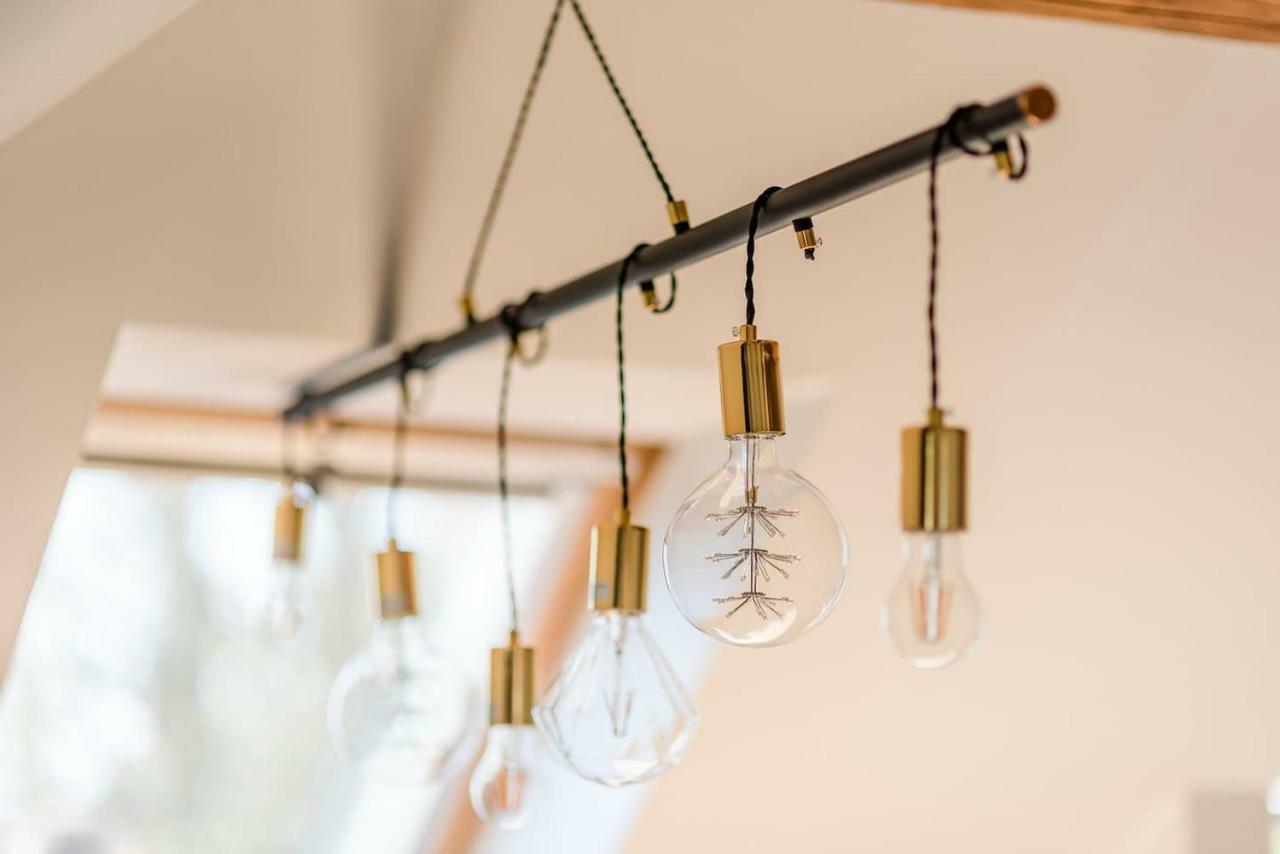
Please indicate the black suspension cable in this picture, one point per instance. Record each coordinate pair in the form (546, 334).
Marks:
(622, 101)
(750, 288)
(288, 450)
(679, 214)
(504, 171)
(623, 270)
(504, 488)
(397, 450)
(950, 131)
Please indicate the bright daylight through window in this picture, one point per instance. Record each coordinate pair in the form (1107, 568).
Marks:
(144, 689)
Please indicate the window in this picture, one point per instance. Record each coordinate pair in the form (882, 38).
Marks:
(145, 709)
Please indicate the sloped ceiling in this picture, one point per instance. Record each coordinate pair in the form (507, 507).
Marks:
(49, 48)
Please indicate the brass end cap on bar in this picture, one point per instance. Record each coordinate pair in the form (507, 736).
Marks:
(290, 514)
(619, 566)
(397, 588)
(751, 386)
(1038, 104)
(678, 215)
(934, 468)
(511, 683)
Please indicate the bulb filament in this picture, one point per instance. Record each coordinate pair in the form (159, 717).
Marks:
(619, 701)
(930, 608)
(755, 562)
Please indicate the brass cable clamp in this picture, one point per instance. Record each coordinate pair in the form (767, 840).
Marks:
(468, 308)
(1005, 163)
(678, 215)
(806, 238)
(998, 149)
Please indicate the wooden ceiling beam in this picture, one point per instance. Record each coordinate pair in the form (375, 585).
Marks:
(1249, 20)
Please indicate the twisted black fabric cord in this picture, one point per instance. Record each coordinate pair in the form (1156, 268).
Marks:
(623, 270)
(679, 227)
(504, 488)
(508, 158)
(397, 449)
(950, 131)
(288, 450)
(750, 288)
(622, 101)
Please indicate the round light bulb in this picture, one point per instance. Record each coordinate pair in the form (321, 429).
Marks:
(755, 556)
(504, 789)
(398, 709)
(933, 615)
(617, 714)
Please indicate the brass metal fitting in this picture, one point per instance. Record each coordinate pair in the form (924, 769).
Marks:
(806, 237)
(678, 214)
(511, 683)
(649, 295)
(397, 588)
(619, 566)
(290, 513)
(751, 386)
(468, 307)
(934, 470)
(1038, 104)
(1004, 160)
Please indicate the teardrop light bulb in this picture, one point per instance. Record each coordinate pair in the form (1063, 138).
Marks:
(755, 556)
(505, 784)
(933, 615)
(504, 787)
(617, 713)
(285, 609)
(399, 709)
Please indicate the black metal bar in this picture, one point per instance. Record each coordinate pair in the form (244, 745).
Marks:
(805, 198)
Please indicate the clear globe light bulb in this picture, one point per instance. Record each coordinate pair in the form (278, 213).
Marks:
(933, 615)
(504, 791)
(755, 556)
(617, 713)
(398, 708)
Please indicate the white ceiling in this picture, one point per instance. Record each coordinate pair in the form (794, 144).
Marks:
(1107, 333)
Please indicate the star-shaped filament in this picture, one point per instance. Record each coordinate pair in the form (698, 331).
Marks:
(759, 600)
(754, 561)
(751, 515)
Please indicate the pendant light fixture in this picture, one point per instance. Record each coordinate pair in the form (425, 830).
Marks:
(285, 609)
(617, 713)
(505, 786)
(755, 556)
(933, 615)
(398, 708)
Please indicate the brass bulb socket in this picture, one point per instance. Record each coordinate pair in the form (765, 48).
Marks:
(397, 587)
(934, 471)
(751, 386)
(511, 683)
(290, 513)
(619, 566)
